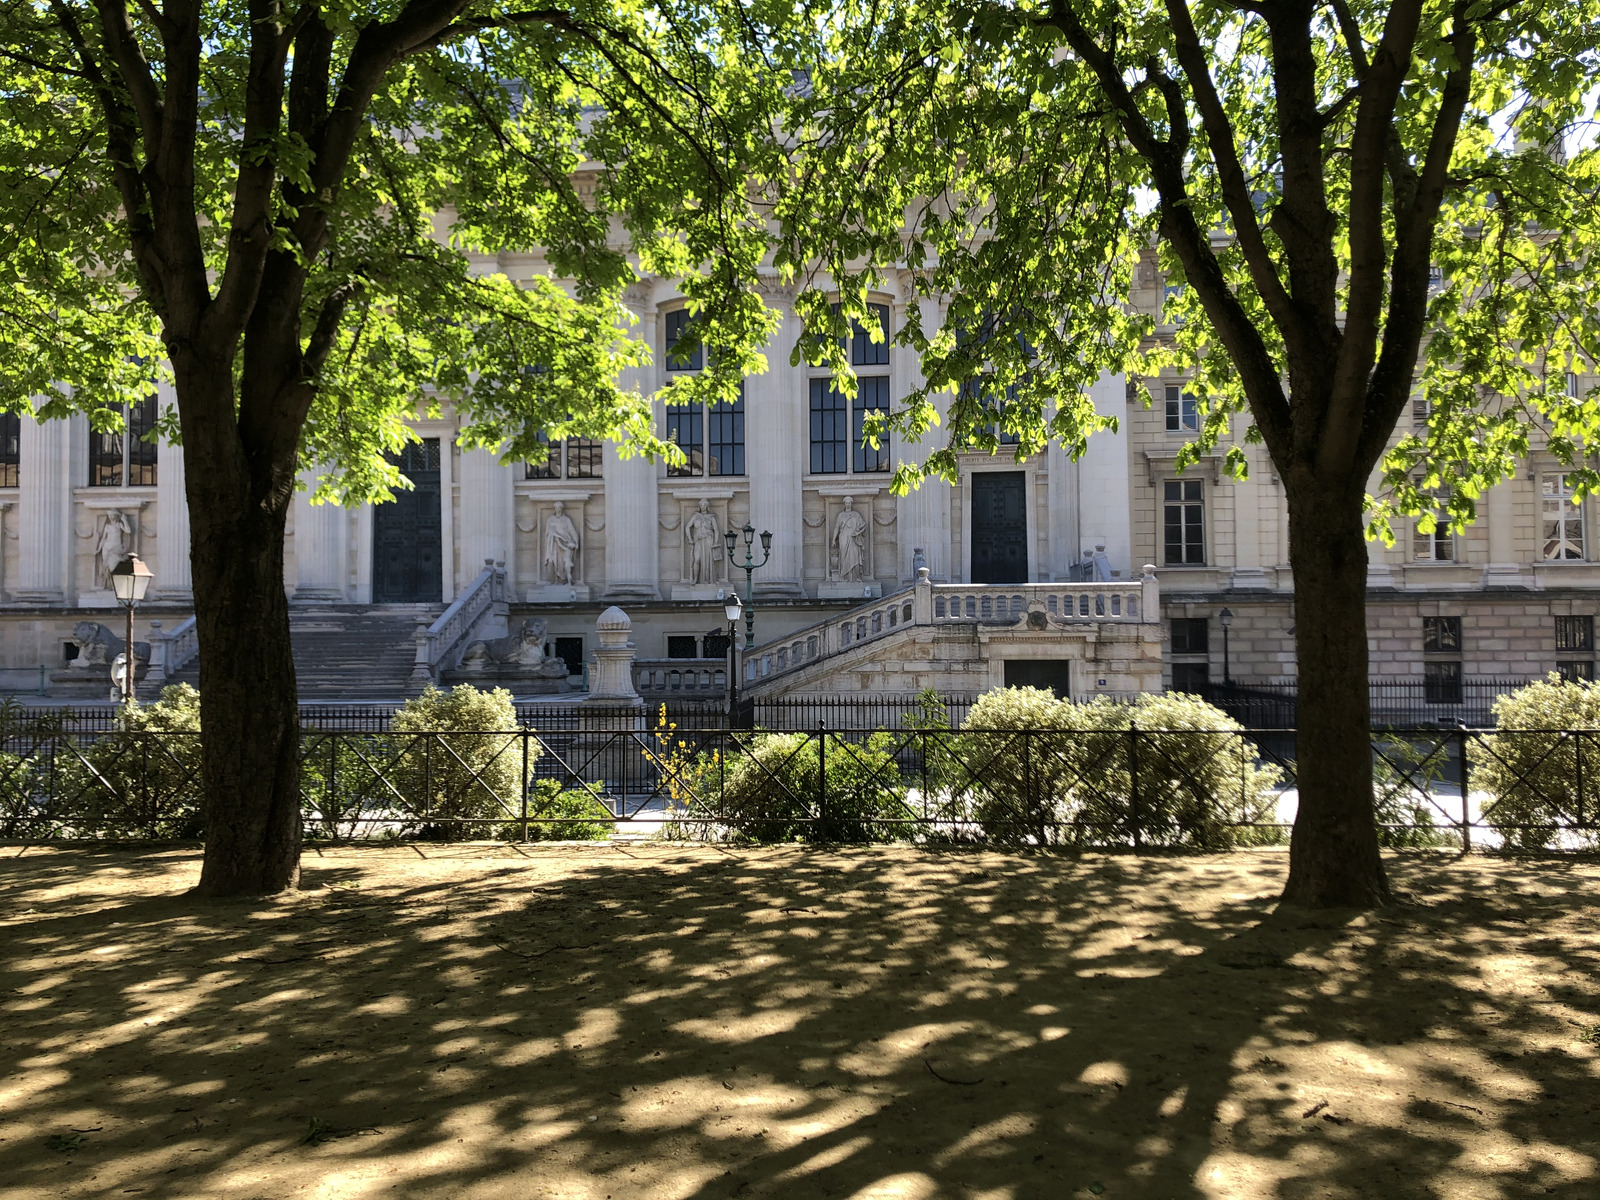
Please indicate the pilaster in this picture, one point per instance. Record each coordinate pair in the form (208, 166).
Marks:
(924, 513)
(633, 569)
(777, 405)
(173, 581)
(487, 496)
(1103, 479)
(321, 537)
(44, 512)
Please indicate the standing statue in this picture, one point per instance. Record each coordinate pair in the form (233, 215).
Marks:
(561, 545)
(850, 542)
(704, 545)
(114, 544)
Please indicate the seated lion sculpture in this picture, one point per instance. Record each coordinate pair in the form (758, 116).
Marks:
(523, 650)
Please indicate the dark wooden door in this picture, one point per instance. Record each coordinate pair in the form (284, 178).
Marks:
(406, 533)
(999, 527)
(1051, 674)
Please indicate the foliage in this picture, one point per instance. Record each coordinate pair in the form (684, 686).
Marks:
(1167, 770)
(455, 758)
(568, 815)
(773, 788)
(141, 781)
(1540, 774)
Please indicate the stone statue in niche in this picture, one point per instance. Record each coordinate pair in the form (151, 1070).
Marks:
(519, 658)
(849, 543)
(561, 545)
(114, 544)
(705, 544)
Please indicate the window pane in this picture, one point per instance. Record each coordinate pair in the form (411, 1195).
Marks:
(830, 430)
(550, 468)
(1441, 635)
(1561, 520)
(1574, 633)
(583, 458)
(142, 454)
(1183, 519)
(872, 395)
(726, 451)
(684, 426)
(105, 459)
(864, 352)
(682, 646)
(1575, 671)
(1190, 635)
(1190, 677)
(692, 360)
(1182, 410)
(10, 449)
(1441, 682)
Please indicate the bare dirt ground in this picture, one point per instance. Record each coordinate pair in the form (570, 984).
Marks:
(662, 1021)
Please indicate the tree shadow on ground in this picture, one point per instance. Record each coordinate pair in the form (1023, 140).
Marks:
(660, 1020)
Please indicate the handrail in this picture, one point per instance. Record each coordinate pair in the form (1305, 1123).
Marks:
(1133, 601)
(174, 649)
(438, 642)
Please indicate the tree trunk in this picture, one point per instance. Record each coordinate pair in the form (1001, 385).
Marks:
(1333, 853)
(249, 709)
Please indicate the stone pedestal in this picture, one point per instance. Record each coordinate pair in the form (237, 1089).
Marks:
(611, 676)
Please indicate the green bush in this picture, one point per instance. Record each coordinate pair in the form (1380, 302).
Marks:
(472, 769)
(770, 790)
(1533, 777)
(1404, 772)
(1166, 770)
(569, 815)
(133, 783)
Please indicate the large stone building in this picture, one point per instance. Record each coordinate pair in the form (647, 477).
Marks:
(399, 591)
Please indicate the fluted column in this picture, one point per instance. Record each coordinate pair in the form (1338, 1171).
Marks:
(44, 511)
(776, 451)
(172, 515)
(632, 505)
(487, 496)
(924, 514)
(1103, 479)
(321, 546)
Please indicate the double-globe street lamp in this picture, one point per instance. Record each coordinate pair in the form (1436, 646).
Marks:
(130, 579)
(733, 609)
(749, 566)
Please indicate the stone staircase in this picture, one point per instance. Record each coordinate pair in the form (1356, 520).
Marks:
(349, 653)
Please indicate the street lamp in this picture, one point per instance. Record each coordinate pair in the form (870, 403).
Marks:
(1225, 617)
(130, 579)
(733, 609)
(749, 566)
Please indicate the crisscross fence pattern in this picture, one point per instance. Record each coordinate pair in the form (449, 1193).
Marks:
(1114, 788)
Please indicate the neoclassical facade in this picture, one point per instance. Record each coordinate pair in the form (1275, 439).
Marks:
(1514, 596)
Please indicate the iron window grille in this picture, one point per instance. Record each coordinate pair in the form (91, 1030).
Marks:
(1575, 633)
(123, 458)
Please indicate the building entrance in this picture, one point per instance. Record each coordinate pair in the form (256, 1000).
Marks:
(1051, 674)
(406, 533)
(999, 527)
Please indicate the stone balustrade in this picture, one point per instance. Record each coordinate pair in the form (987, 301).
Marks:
(172, 650)
(680, 677)
(438, 643)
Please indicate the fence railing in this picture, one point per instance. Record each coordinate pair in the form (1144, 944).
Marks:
(1395, 703)
(1123, 787)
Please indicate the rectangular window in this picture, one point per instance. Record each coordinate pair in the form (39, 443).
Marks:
(1437, 546)
(1191, 635)
(1574, 633)
(1572, 385)
(1183, 413)
(685, 426)
(123, 458)
(550, 468)
(1441, 682)
(1576, 671)
(681, 645)
(830, 430)
(1420, 408)
(1190, 676)
(1184, 523)
(872, 395)
(725, 451)
(690, 360)
(583, 458)
(864, 352)
(1441, 635)
(1561, 517)
(10, 449)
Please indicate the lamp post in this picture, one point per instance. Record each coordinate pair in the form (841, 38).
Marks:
(1225, 617)
(130, 579)
(749, 566)
(733, 609)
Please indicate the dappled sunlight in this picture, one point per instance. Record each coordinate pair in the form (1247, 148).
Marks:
(652, 1020)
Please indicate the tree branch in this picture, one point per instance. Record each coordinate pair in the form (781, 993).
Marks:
(132, 69)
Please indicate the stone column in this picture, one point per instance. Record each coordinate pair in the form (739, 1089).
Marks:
(321, 546)
(925, 512)
(777, 452)
(172, 516)
(633, 570)
(1503, 569)
(1103, 479)
(1247, 572)
(44, 512)
(487, 496)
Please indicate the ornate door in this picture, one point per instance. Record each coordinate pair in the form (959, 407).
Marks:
(406, 533)
(999, 527)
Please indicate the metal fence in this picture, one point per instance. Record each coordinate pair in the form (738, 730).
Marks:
(1125, 787)
(1395, 703)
